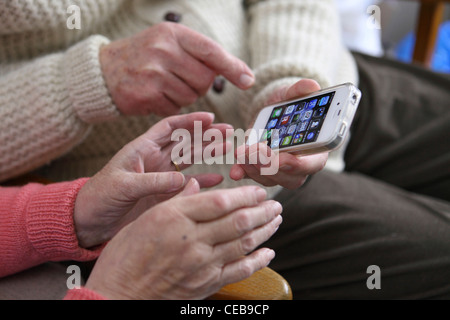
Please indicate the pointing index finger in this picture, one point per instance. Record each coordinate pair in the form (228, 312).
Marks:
(217, 58)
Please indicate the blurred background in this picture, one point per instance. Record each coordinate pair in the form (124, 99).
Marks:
(398, 25)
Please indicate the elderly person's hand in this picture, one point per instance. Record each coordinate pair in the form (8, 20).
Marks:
(166, 67)
(293, 170)
(138, 177)
(189, 246)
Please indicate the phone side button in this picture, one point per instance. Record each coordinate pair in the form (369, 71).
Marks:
(342, 130)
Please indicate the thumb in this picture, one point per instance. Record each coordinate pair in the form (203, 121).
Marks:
(147, 184)
(301, 88)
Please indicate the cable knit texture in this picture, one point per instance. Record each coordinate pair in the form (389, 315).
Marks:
(55, 110)
(36, 226)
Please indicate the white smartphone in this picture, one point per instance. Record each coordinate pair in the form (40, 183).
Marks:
(316, 123)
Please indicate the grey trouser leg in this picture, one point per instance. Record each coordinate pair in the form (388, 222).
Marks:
(340, 224)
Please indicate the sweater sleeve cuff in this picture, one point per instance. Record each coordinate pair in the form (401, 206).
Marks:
(50, 224)
(84, 79)
(83, 294)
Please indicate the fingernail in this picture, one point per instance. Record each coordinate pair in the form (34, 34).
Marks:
(278, 221)
(278, 207)
(247, 81)
(192, 182)
(271, 254)
(286, 168)
(178, 182)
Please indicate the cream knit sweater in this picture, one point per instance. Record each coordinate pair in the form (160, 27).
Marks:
(55, 110)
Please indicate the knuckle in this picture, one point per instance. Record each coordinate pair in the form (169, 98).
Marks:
(162, 49)
(166, 28)
(165, 25)
(206, 49)
(221, 201)
(209, 50)
(248, 243)
(198, 255)
(153, 73)
(242, 221)
(246, 269)
(164, 52)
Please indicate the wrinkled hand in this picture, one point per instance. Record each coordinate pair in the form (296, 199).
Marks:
(138, 177)
(189, 246)
(166, 67)
(293, 170)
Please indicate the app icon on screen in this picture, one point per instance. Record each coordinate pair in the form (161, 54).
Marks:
(264, 136)
(284, 120)
(272, 124)
(307, 115)
(303, 126)
(315, 124)
(290, 109)
(291, 129)
(267, 135)
(277, 112)
(319, 112)
(311, 136)
(296, 118)
(324, 101)
(298, 138)
(312, 104)
(287, 141)
(301, 106)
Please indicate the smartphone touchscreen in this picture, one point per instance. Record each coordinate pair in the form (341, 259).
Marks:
(298, 123)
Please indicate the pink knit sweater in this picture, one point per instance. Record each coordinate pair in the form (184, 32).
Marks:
(36, 226)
